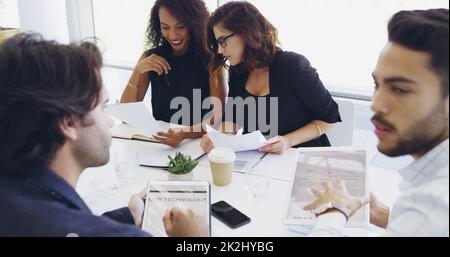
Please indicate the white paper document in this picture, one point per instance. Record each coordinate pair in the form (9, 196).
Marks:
(318, 165)
(237, 143)
(137, 115)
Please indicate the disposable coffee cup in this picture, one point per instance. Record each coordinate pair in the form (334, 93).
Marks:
(222, 165)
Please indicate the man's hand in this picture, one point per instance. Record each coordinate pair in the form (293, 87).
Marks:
(173, 137)
(379, 213)
(339, 195)
(276, 145)
(184, 223)
(137, 206)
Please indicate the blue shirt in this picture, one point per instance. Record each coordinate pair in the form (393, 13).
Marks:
(42, 204)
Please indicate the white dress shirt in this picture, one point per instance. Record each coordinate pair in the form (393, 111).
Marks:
(423, 206)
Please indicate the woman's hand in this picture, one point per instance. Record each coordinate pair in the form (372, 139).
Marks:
(154, 63)
(173, 137)
(276, 145)
(206, 144)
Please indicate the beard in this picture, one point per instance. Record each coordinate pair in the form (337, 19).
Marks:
(420, 137)
(93, 148)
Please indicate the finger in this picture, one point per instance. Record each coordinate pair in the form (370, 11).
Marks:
(341, 183)
(162, 134)
(157, 68)
(161, 139)
(273, 140)
(373, 198)
(277, 148)
(309, 207)
(143, 193)
(168, 222)
(316, 192)
(163, 63)
(327, 185)
(146, 66)
(175, 212)
(364, 201)
(267, 148)
(209, 148)
(274, 148)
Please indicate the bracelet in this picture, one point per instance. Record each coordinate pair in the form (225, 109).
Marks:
(132, 85)
(325, 207)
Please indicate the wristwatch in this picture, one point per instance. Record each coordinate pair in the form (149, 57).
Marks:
(331, 205)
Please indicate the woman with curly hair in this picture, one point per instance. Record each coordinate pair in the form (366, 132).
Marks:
(281, 84)
(177, 66)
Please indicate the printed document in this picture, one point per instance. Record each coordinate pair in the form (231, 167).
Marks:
(238, 143)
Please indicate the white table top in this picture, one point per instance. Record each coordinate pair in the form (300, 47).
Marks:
(96, 187)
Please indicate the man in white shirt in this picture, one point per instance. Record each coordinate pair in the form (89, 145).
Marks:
(411, 105)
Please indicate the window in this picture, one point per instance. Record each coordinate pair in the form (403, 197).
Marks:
(47, 17)
(122, 24)
(9, 14)
(341, 38)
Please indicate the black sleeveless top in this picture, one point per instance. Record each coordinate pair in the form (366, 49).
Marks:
(302, 98)
(188, 76)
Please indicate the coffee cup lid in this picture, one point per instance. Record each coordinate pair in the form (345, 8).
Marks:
(222, 155)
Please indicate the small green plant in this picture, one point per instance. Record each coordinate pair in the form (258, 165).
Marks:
(181, 164)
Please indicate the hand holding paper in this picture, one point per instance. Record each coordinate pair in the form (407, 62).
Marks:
(237, 143)
(276, 145)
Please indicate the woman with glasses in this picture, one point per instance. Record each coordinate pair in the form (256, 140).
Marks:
(282, 84)
(177, 66)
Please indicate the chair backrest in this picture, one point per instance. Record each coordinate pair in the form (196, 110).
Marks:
(342, 133)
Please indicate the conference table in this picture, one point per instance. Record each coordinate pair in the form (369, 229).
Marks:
(102, 191)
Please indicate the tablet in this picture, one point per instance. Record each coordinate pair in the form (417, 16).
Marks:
(165, 195)
(322, 164)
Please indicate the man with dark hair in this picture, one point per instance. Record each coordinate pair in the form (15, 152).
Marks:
(411, 106)
(53, 126)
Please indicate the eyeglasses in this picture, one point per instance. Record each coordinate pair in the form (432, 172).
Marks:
(222, 41)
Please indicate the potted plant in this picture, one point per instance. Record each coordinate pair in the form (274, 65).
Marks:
(181, 167)
(6, 33)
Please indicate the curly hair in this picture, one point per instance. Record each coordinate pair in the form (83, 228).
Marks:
(427, 31)
(41, 82)
(193, 13)
(260, 36)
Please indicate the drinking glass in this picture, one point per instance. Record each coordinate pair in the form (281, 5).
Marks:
(257, 178)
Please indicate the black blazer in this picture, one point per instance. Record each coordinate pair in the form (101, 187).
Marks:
(302, 98)
(44, 205)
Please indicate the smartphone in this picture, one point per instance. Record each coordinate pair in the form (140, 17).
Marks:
(229, 215)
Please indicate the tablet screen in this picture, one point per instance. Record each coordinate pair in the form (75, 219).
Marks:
(165, 195)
